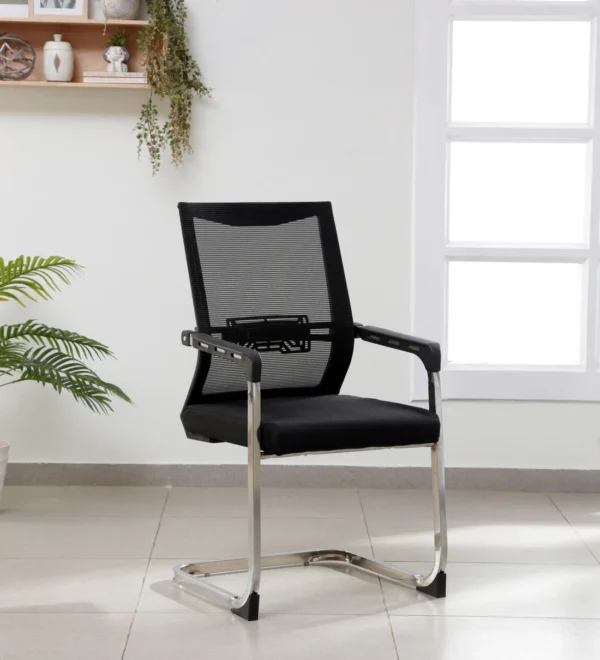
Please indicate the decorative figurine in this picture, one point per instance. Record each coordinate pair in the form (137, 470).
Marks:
(117, 54)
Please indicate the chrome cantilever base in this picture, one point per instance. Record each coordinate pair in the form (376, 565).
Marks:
(193, 576)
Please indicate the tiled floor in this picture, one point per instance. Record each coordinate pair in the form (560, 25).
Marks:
(85, 574)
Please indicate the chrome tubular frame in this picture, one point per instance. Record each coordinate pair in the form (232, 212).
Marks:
(192, 577)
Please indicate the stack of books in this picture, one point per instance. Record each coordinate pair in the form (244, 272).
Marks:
(131, 78)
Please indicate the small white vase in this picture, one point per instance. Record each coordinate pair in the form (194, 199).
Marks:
(4, 447)
(121, 9)
(59, 61)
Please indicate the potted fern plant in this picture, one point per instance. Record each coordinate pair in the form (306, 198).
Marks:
(33, 351)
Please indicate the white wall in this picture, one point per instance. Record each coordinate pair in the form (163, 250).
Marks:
(313, 100)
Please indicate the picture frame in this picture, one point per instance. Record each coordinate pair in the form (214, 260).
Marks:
(14, 8)
(60, 8)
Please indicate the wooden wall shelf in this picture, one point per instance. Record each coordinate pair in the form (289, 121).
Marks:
(69, 20)
(77, 85)
(86, 36)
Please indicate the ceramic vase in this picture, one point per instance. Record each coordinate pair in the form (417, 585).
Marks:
(121, 9)
(58, 60)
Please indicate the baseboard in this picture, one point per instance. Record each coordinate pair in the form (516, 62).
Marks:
(300, 476)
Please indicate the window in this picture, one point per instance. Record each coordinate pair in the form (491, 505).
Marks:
(507, 196)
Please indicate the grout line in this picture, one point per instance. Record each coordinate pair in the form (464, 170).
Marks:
(362, 508)
(373, 554)
(555, 505)
(357, 615)
(585, 544)
(264, 517)
(385, 605)
(494, 616)
(383, 601)
(145, 574)
(587, 547)
(395, 643)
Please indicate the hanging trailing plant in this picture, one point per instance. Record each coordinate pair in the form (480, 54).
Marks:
(173, 74)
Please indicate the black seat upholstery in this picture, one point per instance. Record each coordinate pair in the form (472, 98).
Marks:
(295, 425)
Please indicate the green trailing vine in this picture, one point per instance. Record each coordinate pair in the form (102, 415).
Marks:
(172, 74)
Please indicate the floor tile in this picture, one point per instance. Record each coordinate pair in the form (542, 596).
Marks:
(298, 590)
(462, 506)
(276, 502)
(63, 636)
(76, 537)
(226, 637)
(517, 590)
(578, 507)
(496, 639)
(590, 535)
(70, 585)
(82, 501)
(500, 506)
(412, 540)
(228, 537)
(396, 504)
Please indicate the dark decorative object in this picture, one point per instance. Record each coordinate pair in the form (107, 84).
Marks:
(17, 57)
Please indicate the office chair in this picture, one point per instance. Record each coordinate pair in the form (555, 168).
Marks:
(275, 338)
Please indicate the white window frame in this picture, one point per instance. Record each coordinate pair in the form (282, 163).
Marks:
(433, 133)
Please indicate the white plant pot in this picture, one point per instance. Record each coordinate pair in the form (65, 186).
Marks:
(4, 447)
(59, 61)
(121, 9)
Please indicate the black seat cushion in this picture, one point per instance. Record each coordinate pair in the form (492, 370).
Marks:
(294, 425)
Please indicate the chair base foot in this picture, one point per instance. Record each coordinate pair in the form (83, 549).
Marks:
(249, 609)
(437, 588)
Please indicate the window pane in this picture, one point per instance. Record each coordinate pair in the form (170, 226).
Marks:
(517, 192)
(520, 71)
(514, 313)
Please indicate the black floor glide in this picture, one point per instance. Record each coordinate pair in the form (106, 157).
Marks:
(437, 588)
(249, 611)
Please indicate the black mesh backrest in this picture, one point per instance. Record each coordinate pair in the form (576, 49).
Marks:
(269, 276)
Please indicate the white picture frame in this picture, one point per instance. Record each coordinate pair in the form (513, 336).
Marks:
(60, 8)
(14, 9)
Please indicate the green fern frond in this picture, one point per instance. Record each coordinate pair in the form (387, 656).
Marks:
(34, 277)
(60, 371)
(11, 354)
(71, 343)
(55, 358)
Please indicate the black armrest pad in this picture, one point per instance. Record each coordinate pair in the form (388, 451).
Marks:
(248, 359)
(427, 351)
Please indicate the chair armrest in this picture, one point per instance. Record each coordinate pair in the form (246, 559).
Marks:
(427, 351)
(248, 359)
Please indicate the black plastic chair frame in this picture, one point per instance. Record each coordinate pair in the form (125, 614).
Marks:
(192, 576)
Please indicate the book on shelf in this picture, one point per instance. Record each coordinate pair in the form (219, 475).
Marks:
(112, 81)
(130, 77)
(113, 74)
